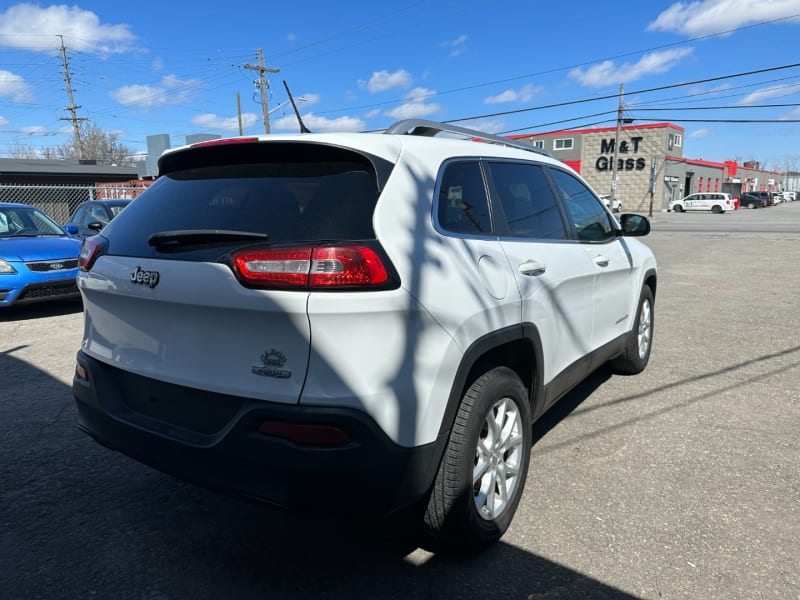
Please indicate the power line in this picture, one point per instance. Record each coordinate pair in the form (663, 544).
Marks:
(564, 68)
(634, 93)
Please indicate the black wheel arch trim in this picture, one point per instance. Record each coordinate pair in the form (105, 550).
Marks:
(479, 357)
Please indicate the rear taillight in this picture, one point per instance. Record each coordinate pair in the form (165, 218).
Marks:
(313, 267)
(91, 248)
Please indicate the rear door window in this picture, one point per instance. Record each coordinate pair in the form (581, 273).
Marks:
(527, 201)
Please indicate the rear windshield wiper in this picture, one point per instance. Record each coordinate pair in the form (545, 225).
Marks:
(199, 237)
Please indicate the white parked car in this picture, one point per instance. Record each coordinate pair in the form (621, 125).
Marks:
(714, 201)
(357, 322)
(614, 205)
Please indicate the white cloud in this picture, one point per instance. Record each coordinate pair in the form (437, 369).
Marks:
(457, 46)
(703, 17)
(291, 37)
(607, 72)
(413, 110)
(416, 107)
(310, 99)
(487, 125)
(172, 90)
(14, 87)
(373, 113)
(524, 94)
(419, 94)
(701, 133)
(319, 124)
(4, 121)
(777, 91)
(82, 30)
(793, 114)
(383, 80)
(217, 123)
(34, 129)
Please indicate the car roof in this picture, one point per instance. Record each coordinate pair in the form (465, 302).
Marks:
(109, 201)
(14, 205)
(392, 146)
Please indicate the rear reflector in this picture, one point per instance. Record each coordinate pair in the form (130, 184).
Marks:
(306, 434)
(312, 267)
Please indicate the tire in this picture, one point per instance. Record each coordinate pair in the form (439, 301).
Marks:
(716, 209)
(482, 474)
(677, 208)
(640, 339)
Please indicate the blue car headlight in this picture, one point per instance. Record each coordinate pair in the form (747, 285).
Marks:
(6, 268)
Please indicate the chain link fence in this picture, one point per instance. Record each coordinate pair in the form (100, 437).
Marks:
(60, 201)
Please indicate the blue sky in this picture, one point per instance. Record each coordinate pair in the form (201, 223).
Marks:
(176, 67)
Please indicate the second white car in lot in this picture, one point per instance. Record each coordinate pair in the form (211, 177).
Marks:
(716, 202)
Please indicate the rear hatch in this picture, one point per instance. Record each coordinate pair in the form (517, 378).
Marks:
(204, 280)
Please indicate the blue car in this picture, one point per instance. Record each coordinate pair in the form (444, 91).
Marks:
(38, 258)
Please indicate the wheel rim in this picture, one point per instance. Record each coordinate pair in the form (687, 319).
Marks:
(645, 328)
(498, 459)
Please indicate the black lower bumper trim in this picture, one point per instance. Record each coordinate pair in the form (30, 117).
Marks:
(371, 474)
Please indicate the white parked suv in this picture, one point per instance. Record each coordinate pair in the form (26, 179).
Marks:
(713, 201)
(614, 205)
(357, 322)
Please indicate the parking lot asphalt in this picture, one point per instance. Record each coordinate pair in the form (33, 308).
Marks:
(681, 482)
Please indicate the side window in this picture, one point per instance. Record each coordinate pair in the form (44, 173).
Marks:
(527, 200)
(80, 216)
(463, 205)
(98, 214)
(591, 219)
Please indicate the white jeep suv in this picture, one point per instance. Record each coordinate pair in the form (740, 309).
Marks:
(357, 322)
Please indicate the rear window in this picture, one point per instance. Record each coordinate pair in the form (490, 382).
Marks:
(289, 196)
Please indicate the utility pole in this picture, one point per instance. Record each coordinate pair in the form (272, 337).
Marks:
(72, 108)
(262, 84)
(616, 145)
(239, 112)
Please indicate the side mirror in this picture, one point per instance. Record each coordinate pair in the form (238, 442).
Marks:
(634, 225)
(71, 229)
(95, 225)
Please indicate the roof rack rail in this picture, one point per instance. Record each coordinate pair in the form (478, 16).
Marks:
(431, 128)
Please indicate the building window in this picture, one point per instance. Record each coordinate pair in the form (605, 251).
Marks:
(678, 140)
(563, 144)
(538, 143)
(716, 184)
(700, 184)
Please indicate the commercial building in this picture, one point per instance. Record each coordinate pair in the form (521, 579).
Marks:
(650, 164)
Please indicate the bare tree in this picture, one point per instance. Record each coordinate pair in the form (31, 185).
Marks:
(96, 144)
(789, 164)
(23, 149)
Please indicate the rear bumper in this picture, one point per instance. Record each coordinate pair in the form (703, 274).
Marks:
(213, 440)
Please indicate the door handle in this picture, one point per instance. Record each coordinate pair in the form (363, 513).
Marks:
(601, 261)
(532, 268)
